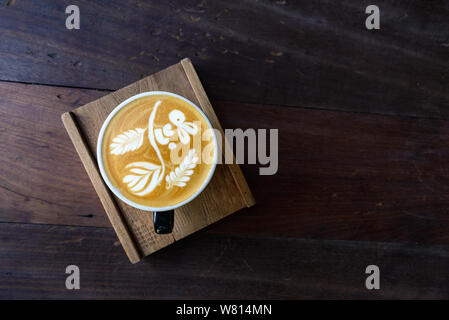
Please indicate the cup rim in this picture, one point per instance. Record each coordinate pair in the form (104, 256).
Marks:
(100, 157)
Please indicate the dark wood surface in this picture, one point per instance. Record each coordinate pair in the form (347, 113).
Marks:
(302, 53)
(226, 267)
(362, 147)
(359, 176)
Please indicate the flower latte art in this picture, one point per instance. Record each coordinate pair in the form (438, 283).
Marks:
(158, 150)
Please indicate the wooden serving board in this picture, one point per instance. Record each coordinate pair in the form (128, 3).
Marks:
(226, 193)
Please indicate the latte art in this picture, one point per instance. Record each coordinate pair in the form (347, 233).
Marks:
(152, 150)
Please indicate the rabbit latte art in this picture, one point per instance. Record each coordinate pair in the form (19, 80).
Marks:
(158, 150)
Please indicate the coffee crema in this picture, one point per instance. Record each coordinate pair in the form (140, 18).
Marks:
(154, 150)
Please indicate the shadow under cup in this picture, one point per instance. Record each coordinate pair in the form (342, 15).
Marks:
(163, 217)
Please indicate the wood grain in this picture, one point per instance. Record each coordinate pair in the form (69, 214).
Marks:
(41, 177)
(347, 176)
(225, 194)
(105, 195)
(316, 54)
(204, 266)
(341, 175)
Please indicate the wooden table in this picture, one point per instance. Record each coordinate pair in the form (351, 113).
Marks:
(363, 147)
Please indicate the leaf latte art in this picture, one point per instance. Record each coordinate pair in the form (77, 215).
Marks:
(127, 141)
(139, 182)
(152, 150)
(182, 174)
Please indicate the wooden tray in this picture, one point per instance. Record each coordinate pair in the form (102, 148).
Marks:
(226, 193)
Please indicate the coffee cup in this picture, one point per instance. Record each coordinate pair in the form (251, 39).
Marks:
(157, 151)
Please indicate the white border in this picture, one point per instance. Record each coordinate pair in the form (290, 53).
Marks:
(100, 159)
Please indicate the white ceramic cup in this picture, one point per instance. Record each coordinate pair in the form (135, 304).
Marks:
(116, 191)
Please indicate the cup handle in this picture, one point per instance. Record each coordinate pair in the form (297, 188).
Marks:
(163, 221)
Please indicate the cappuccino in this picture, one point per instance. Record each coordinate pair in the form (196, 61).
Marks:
(158, 150)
